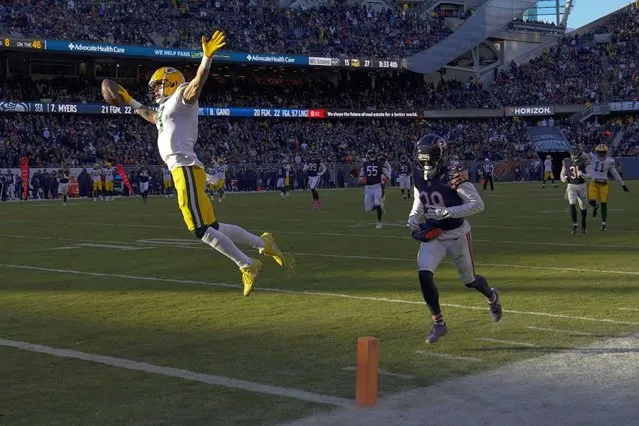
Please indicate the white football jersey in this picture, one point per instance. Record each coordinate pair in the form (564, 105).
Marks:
(108, 174)
(177, 131)
(96, 174)
(598, 169)
(547, 165)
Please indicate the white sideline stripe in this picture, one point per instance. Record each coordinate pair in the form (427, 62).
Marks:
(385, 373)
(126, 225)
(629, 309)
(180, 373)
(65, 248)
(449, 356)
(555, 330)
(307, 293)
(196, 245)
(113, 246)
(506, 342)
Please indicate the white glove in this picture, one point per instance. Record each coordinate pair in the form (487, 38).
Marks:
(414, 222)
(436, 213)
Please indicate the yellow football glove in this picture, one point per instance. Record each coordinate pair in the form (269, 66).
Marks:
(209, 47)
(125, 95)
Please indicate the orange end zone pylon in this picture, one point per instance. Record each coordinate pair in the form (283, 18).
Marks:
(366, 377)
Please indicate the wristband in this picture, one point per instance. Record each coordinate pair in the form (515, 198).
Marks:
(135, 104)
(206, 61)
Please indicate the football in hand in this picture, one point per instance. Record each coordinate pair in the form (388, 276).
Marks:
(110, 93)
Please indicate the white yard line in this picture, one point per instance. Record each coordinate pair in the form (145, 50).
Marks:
(449, 356)
(506, 342)
(629, 309)
(555, 330)
(180, 373)
(304, 293)
(193, 244)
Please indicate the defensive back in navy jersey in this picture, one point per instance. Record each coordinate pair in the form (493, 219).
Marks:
(574, 170)
(372, 171)
(438, 192)
(404, 168)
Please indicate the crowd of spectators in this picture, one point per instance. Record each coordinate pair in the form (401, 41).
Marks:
(261, 27)
(360, 91)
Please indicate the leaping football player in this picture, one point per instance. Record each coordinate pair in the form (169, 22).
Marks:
(573, 172)
(600, 164)
(405, 171)
(373, 174)
(314, 169)
(177, 122)
(444, 197)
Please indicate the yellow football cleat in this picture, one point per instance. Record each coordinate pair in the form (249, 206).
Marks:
(270, 249)
(249, 274)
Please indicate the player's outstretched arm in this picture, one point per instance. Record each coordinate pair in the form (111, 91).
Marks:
(209, 47)
(615, 174)
(147, 113)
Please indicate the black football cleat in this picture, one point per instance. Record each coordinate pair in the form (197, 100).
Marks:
(594, 210)
(574, 230)
(495, 306)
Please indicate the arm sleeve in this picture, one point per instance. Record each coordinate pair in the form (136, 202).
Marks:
(615, 174)
(563, 175)
(472, 202)
(416, 215)
(322, 169)
(305, 168)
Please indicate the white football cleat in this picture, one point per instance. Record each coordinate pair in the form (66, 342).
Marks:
(379, 225)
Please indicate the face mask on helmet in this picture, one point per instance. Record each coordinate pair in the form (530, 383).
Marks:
(430, 154)
(601, 153)
(371, 155)
(574, 153)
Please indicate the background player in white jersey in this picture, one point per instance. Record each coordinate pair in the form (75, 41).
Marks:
(108, 172)
(600, 165)
(284, 179)
(177, 124)
(64, 183)
(444, 197)
(548, 173)
(404, 181)
(372, 174)
(314, 169)
(96, 176)
(573, 172)
(167, 182)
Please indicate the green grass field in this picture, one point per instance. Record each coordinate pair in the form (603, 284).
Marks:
(125, 279)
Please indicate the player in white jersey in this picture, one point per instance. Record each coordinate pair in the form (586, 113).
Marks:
(600, 165)
(177, 123)
(108, 172)
(167, 182)
(96, 176)
(548, 174)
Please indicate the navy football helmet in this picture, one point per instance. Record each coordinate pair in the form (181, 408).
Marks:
(431, 154)
(371, 155)
(575, 152)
